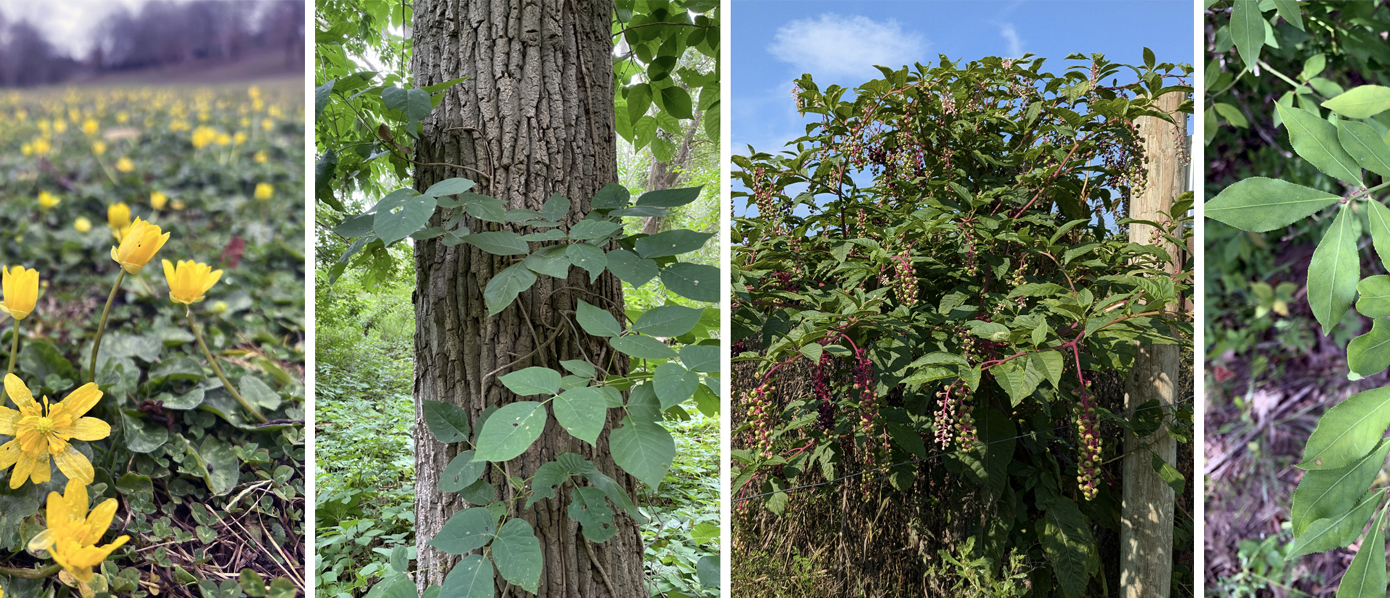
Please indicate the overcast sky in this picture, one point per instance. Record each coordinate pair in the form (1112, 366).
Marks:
(67, 24)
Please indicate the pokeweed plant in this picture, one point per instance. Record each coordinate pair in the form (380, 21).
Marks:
(945, 250)
(673, 351)
(1344, 136)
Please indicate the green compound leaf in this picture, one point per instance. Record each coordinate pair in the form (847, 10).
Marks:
(498, 242)
(502, 290)
(1369, 354)
(532, 381)
(1361, 102)
(674, 384)
(667, 320)
(1375, 296)
(589, 507)
(517, 554)
(470, 578)
(581, 412)
(596, 321)
(671, 242)
(692, 281)
(465, 531)
(461, 473)
(1365, 578)
(400, 214)
(446, 421)
(1379, 218)
(1334, 272)
(1365, 146)
(642, 347)
(510, 431)
(1337, 531)
(1316, 141)
(1248, 31)
(643, 449)
(631, 269)
(1348, 431)
(1066, 538)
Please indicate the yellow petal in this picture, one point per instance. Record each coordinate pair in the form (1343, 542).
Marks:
(41, 542)
(72, 463)
(22, 467)
(9, 454)
(19, 393)
(99, 521)
(42, 473)
(75, 495)
(79, 402)
(87, 428)
(9, 420)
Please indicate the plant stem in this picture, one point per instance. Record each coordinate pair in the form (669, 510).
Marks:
(217, 368)
(14, 348)
(1297, 86)
(30, 573)
(101, 328)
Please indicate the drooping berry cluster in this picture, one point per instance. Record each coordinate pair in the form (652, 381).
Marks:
(1088, 437)
(953, 418)
(820, 386)
(760, 417)
(905, 282)
(866, 387)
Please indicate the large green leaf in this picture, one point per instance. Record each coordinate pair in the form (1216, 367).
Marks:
(503, 288)
(589, 257)
(1375, 296)
(642, 347)
(631, 269)
(510, 431)
(446, 421)
(461, 473)
(671, 242)
(1365, 146)
(400, 214)
(1316, 141)
(465, 531)
(517, 554)
(1369, 353)
(667, 320)
(669, 198)
(990, 460)
(589, 507)
(1066, 539)
(498, 242)
(452, 186)
(643, 449)
(1348, 431)
(596, 321)
(1248, 31)
(1337, 531)
(594, 229)
(1290, 11)
(551, 475)
(470, 578)
(532, 381)
(1379, 218)
(550, 261)
(581, 412)
(692, 281)
(674, 384)
(1327, 493)
(1365, 577)
(1363, 101)
(1334, 271)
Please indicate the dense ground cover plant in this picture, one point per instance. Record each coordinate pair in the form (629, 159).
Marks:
(1344, 133)
(944, 249)
(163, 320)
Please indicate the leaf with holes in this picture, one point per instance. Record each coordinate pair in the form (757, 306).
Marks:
(589, 507)
(465, 531)
(446, 421)
(461, 473)
(505, 286)
(510, 431)
(400, 214)
(674, 384)
(517, 553)
(470, 578)
(643, 449)
(581, 412)
(692, 281)
(631, 269)
(589, 257)
(532, 381)
(671, 242)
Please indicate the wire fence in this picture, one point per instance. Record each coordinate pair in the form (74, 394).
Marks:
(929, 457)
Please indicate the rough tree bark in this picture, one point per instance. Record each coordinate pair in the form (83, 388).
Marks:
(535, 115)
(1146, 522)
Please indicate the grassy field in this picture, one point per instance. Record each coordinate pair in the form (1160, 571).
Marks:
(211, 496)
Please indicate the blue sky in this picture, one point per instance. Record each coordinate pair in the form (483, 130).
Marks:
(774, 42)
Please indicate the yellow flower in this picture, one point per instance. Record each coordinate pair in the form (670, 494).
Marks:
(118, 216)
(239, 138)
(41, 146)
(179, 204)
(124, 164)
(90, 127)
(260, 157)
(267, 124)
(223, 139)
(82, 224)
(122, 117)
(21, 288)
(60, 126)
(41, 431)
(264, 191)
(158, 199)
(47, 200)
(98, 147)
(219, 307)
(72, 534)
(203, 136)
(190, 280)
(138, 245)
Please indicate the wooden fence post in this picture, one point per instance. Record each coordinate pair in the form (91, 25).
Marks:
(1146, 524)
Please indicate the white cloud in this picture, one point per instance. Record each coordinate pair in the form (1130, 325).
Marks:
(836, 46)
(1011, 37)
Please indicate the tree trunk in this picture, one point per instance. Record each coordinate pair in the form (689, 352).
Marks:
(535, 115)
(1146, 519)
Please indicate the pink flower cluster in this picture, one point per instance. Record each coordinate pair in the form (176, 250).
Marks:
(905, 284)
(760, 417)
(953, 419)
